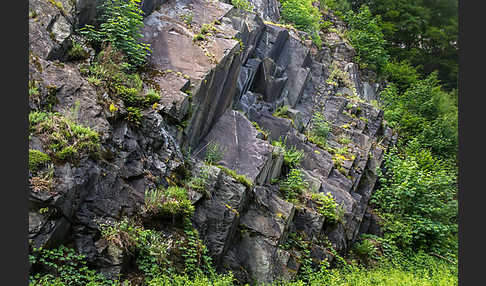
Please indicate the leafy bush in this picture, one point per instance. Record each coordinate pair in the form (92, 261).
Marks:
(120, 26)
(37, 159)
(417, 200)
(367, 38)
(62, 266)
(65, 139)
(304, 16)
(417, 269)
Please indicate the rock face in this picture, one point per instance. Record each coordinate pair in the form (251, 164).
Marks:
(217, 89)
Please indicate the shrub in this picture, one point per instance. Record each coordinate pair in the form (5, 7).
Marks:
(417, 200)
(120, 26)
(37, 159)
(304, 16)
(63, 266)
(367, 38)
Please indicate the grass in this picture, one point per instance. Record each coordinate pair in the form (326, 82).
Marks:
(172, 201)
(63, 138)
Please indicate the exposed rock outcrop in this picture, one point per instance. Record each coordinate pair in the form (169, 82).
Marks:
(215, 88)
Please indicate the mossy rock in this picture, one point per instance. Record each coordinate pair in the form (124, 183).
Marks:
(37, 159)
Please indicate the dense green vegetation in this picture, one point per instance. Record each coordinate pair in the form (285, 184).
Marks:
(120, 24)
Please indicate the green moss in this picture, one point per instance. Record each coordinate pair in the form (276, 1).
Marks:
(37, 159)
(240, 178)
(65, 139)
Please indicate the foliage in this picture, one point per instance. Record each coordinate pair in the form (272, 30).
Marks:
(244, 5)
(417, 200)
(367, 38)
(238, 177)
(172, 201)
(292, 156)
(327, 206)
(419, 269)
(319, 130)
(304, 16)
(77, 52)
(425, 33)
(214, 153)
(37, 159)
(282, 111)
(294, 184)
(66, 140)
(195, 254)
(134, 115)
(425, 112)
(120, 27)
(63, 266)
(185, 280)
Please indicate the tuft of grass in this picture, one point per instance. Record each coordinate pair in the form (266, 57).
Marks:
(65, 139)
(172, 201)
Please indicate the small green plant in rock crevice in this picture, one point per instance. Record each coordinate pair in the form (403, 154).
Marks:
(282, 111)
(63, 138)
(319, 131)
(238, 177)
(293, 186)
(327, 206)
(173, 201)
(214, 153)
(244, 5)
(292, 156)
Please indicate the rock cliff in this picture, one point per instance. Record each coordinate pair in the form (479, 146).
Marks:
(224, 89)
